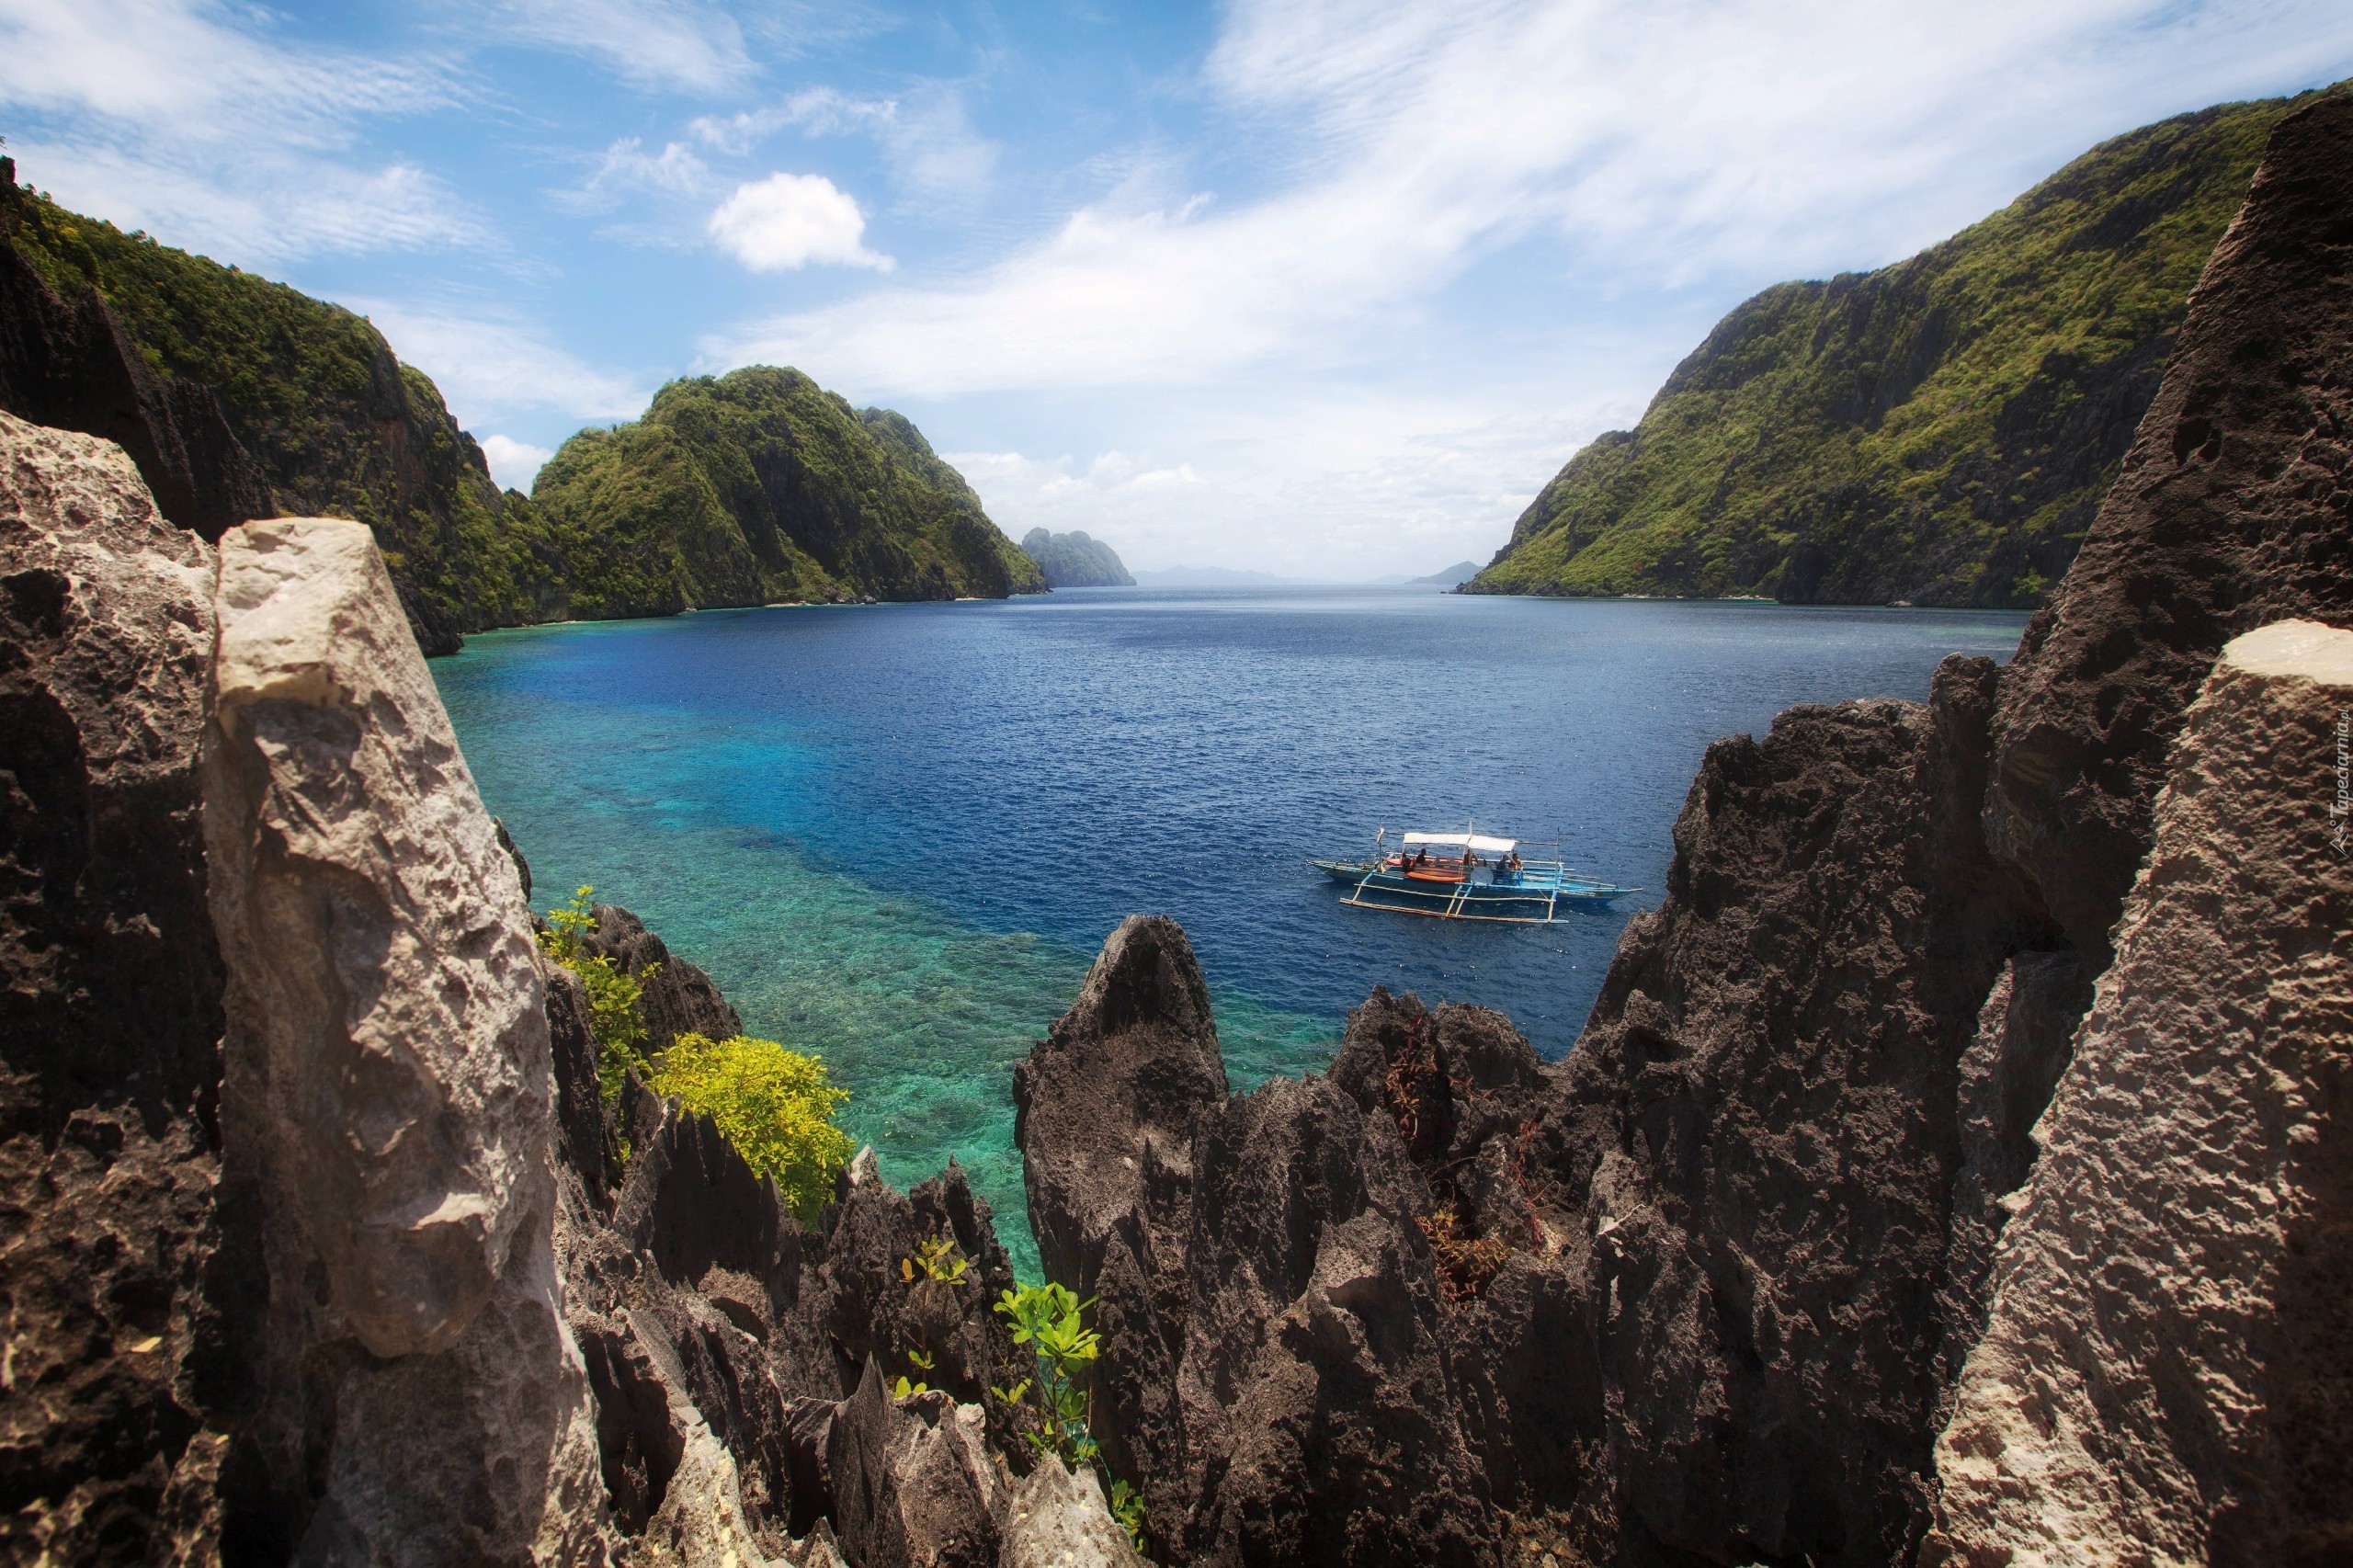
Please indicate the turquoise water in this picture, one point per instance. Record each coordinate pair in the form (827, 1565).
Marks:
(896, 835)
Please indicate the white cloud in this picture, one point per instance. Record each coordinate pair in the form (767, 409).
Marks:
(1652, 145)
(673, 45)
(626, 168)
(490, 367)
(788, 221)
(514, 464)
(926, 134)
(192, 119)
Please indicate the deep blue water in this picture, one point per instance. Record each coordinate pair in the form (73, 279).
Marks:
(895, 835)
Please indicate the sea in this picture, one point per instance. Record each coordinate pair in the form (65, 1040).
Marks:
(896, 835)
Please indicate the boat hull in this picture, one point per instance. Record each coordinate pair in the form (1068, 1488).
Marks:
(1531, 895)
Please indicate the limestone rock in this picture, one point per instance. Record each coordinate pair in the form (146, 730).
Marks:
(1057, 1520)
(1275, 1371)
(2167, 1373)
(2235, 508)
(119, 1287)
(1103, 1112)
(387, 1088)
(914, 1485)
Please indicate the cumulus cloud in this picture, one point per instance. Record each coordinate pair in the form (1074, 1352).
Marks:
(789, 221)
(514, 464)
(1652, 145)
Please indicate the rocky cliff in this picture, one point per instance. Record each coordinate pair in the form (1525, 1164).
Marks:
(1075, 561)
(1939, 431)
(1740, 1279)
(320, 1241)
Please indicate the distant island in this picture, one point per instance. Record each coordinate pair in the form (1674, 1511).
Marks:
(1939, 432)
(1075, 561)
(1453, 576)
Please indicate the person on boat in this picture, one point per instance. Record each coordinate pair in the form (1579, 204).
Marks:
(1421, 861)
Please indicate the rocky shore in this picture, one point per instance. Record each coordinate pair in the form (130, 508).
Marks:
(1954, 1170)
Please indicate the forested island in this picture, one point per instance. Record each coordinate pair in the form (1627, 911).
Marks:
(1938, 432)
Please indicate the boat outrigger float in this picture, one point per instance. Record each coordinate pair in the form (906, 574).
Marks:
(1465, 876)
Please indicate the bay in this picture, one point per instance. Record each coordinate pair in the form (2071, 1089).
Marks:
(896, 835)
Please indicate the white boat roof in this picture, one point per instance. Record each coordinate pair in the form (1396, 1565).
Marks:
(1479, 841)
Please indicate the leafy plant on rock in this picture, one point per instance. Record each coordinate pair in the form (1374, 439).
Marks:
(776, 1105)
(613, 993)
(1051, 1320)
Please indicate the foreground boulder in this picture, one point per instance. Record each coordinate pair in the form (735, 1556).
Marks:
(386, 1102)
(2167, 1374)
(118, 1285)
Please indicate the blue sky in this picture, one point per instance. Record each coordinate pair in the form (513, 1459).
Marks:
(1318, 287)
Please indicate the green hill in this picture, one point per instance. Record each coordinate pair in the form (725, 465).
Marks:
(1075, 561)
(1939, 431)
(239, 397)
(758, 486)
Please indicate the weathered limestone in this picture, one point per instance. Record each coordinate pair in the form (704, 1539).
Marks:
(2233, 510)
(2167, 1373)
(386, 1096)
(914, 1485)
(1056, 1519)
(120, 1348)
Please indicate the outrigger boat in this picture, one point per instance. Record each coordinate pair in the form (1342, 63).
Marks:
(1465, 876)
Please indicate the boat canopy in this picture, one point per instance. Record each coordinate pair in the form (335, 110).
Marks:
(1478, 841)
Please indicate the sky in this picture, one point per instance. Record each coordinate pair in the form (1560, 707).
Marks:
(1321, 288)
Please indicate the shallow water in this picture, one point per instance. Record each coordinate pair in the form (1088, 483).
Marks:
(896, 835)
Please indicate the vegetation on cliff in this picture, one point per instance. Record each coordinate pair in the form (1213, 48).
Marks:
(1939, 431)
(775, 1106)
(321, 419)
(239, 397)
(759, 486)
(1075, 561)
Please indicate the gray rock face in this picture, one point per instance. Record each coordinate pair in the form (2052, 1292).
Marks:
(2233, 510)
(914, 1485)
(386, 1092)
(116, 1282)
(1275, 1371)
(1103, 1111)
(2167, 1373)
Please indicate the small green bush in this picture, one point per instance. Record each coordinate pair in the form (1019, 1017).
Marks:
(776, 1105)
(612, 995)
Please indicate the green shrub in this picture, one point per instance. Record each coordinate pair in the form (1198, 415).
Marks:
(776, 1105)
(612, 995)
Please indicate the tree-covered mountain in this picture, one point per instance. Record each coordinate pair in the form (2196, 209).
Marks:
(1939, 431)
(1075, 561)
(238, 398)
(759, 486)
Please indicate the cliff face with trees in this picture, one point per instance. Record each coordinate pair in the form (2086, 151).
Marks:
(1939, 431)
(242, 398)
(758, 486)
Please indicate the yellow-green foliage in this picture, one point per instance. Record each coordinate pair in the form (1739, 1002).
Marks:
(613, 996)
(776, 1105)
(1940, 430)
